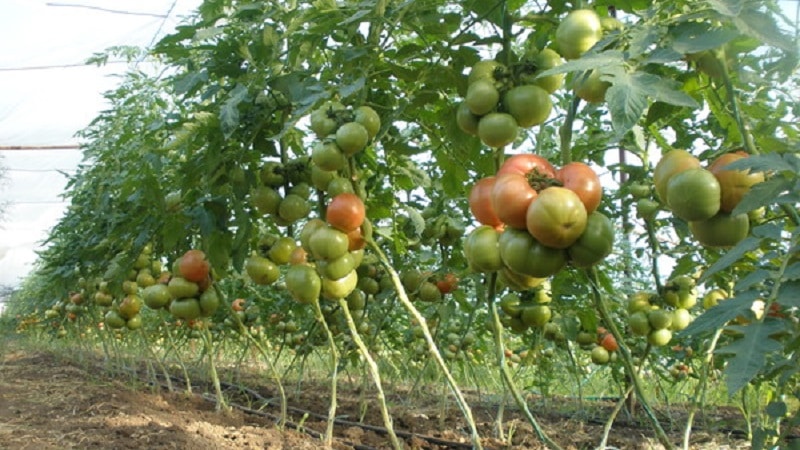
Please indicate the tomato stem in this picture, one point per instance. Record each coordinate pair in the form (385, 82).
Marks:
(565, 132)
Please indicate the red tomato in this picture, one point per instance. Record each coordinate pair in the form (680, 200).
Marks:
(511, 196)
(526, 163)
(480, 203)
(193, 266)
(581, 179)
(447, 284)
(345, 212)
(609, 342)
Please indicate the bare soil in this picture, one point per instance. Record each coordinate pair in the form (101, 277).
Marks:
(49, 402)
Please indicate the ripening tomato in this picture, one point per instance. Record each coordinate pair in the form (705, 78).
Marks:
(734, 184)
(512, 194)
(527, 163)
(345, 212)
(578, 32)
(583, 180)
(556, 217)
(480, 203)
(609, 342)
(193, 266)
(448, 283)
(673, 162)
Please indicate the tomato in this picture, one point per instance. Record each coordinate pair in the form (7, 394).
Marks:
(293, 208)
(694, 194)
(722, 230)
(482, 97)
(369, 119)
(591, 87)
(734, 184)
(281, 250)
(447, 284)
(271, 174)
(583, 180)
(238, 305)
(345, 212)
(527, 164)
(536, 315)
(193, 266)
(556, 217)
(180, 287)
(156, 296)
(328, 243)
(482, 250)
(209, 302)
(145, 278)
(130, 306)
(659, 319)
(303, 283)
(341, 287)
(172, 201)
(467, 122)
(529, 105)
(185, 308)
(516, 281)
(134, 323)
(130, 287)
(609, 342)
(484, 70)
(595, 243)
(673, 162)
(320, 178)
(428, 292)
(646, 209)
(578, 32)
(103, 299)
(337, 268)
(659, 337)
(356, 240)
(261, 270)
(328, 156)
(308, 230)
(681, 318)
(639, 324)
(600, 355)
(713, 297)
(497, 129)
(265, 200)
(512, 194)
(544, 60)
(351, 138)
(523, 254)
(321, 122)
(480, 203)
(114, 320)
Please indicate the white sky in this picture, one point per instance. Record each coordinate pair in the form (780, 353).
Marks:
(43, 105)
(47, 106)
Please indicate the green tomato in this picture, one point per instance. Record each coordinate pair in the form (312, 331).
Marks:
(265, 200)
(185, 308)
(595, 243)
(590, 87)
(293, 208)
(466, 120)
(156, 296)
(351, 138)
(482, 250)
(209, 302)
(529, 105)
(328, 243)
(723, 230)
(370, 119)
(303, 283)
(339, 288)
(694, 195)
(578, 32)
(337, 268)
(261, 270)
(523, 254)
(182, 288)
(328, 156)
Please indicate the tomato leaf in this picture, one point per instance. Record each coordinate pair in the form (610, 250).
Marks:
(694, 37)
(763, 27)
(611, 60)
(763, 194)
(229, 111)
(725, 311)
(748, 244)
(749, 353)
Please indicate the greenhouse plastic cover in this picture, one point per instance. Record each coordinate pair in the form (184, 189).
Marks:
(48, 93)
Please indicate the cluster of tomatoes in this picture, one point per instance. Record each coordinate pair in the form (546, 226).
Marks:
(427, 286)
(124, 312)
(547, 216)
(530, 309)
(705, 197)
(601, 344)
(656, 317)
(501, 99)
(336, 249)
(283, 193)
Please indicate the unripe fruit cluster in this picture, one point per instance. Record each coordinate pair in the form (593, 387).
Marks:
(283, 192)
(531, 309)
(500, 99)
(657, 317)
(704, 197)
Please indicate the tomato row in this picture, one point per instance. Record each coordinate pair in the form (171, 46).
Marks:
(549, 216)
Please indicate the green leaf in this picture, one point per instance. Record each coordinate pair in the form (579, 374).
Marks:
(763, 194)
(350, 89)
(776, 410)
(748, 244)
(770, 162)
(186, 83)
(763, 27)
(694, 37)
(229, 111)
(731, 8)
(611, 61)
(789, 293)
(716, 317)
(752, 278)
(749, 353)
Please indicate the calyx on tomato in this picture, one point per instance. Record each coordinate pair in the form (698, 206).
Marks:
(517, 184)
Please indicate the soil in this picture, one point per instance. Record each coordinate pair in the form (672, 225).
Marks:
(50, 402)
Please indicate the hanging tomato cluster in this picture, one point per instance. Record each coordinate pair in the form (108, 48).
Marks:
(500, 99)
(548, 217)
(704, 197)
